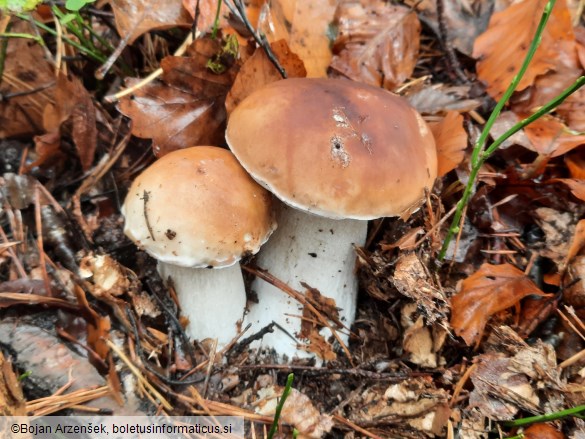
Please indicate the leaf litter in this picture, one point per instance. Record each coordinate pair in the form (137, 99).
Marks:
(462, 345)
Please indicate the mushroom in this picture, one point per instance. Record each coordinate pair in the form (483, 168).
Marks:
(194, 210)
(337, 153)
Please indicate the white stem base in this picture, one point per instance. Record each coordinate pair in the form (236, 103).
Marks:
(311, 249)
(212, 299)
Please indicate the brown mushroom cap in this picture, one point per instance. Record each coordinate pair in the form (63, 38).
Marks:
(334, 147)
(197, 207)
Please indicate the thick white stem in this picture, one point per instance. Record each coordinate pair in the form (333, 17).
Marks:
(311, 249)
(212, 299)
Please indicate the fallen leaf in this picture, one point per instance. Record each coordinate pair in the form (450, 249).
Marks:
(543, 431)
(558, 228)
(575, 161)
(187, 107)
(12, 402)
(415, 402)
(550, 137)
(259, 71)
(438, 98)
(451, 140)
(499, 59)
(499, 391)
(572, 110)
(491, 289)
(298, 410)
(377, 43)
(308, 35)
(28, 74)
(74, 105)
(136, 17)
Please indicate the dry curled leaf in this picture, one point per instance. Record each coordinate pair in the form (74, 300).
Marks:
(500, 58)
(187, 107)
(136, 17)
(493, 288)
(451, 141)
(298, 410)
(500, 391)
(377, 44)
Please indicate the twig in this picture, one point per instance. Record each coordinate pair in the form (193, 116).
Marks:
(152, 392)
(180, 51)
(259, 38)
(355, 427)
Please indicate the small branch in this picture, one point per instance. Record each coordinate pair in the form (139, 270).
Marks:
(260, 38)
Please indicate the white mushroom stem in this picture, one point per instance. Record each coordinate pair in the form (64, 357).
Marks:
(311, 249)
(212, 299)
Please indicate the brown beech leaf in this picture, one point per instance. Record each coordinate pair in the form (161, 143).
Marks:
(187, 107)
(543, 431)
(258, 71)
(377, 44)
(501, 58)
(136, 17)
(550, 137)
(74, 105)
(493, 288)
(27, 73)
(308, 34)
(575, 162)
(451, 140)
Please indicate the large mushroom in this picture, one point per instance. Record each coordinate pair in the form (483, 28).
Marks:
(194, 210)
(337, 153)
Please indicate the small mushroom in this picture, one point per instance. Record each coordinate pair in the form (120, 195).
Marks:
(196, 210)
(337, 153)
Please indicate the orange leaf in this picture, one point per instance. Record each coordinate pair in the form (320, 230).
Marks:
(576, 163)
(493, 288)
(451, 141)
(308, 35)
(550, 137)
(500, 58)
(377, 44)
(543, 431)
